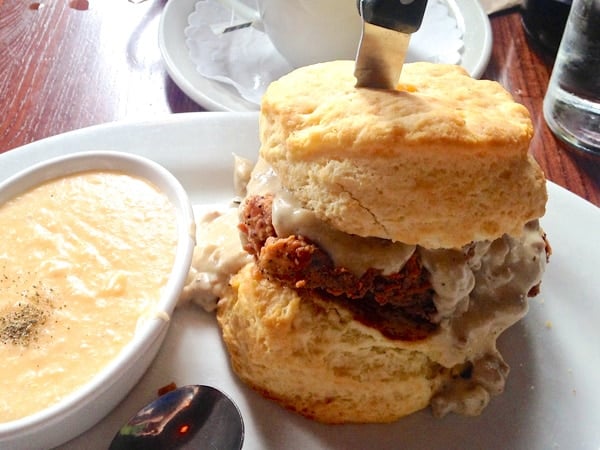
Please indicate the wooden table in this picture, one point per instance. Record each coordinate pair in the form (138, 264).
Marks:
(68, 64)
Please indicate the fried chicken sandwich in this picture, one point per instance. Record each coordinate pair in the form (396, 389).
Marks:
(394, 236)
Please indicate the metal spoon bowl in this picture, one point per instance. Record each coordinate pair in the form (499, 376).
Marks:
(192, 416)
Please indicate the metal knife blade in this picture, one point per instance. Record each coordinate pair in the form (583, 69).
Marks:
(387, 26)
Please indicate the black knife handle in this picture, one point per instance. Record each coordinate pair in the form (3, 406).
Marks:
(404, 16)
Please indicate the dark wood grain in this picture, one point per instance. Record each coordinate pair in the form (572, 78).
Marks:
(70, 64)
(62, 68)
(524, 69)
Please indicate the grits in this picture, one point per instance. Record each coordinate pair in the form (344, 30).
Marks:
(83, 260)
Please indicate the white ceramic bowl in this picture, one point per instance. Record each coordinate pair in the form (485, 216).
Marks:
(90, 403)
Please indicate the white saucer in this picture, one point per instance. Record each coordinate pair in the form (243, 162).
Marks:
(217, 96)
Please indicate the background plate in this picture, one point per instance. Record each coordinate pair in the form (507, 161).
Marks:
(216, 96)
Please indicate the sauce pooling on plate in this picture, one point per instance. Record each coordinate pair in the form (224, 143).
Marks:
(83, 260)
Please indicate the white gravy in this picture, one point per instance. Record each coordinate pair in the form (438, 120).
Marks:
(480, 290)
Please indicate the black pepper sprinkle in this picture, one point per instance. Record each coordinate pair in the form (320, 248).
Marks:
(20, 326)
(21, 322)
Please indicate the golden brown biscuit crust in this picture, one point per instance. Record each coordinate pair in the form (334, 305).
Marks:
(313, 358)
(440, 162)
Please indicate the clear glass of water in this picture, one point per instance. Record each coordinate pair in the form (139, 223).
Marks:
(572, 101)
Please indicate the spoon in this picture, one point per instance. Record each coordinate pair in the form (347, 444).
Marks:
(188, 417)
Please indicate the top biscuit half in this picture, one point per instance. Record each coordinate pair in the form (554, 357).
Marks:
(439, 162)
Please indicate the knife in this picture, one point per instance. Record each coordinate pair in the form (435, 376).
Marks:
(387, 26)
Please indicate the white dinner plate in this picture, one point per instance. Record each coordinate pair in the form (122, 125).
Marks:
(552, 394)
(217, 96)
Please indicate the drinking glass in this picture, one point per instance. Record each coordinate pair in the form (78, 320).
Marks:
(572, 101)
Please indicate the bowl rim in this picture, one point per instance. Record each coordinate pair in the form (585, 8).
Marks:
(152, 328)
